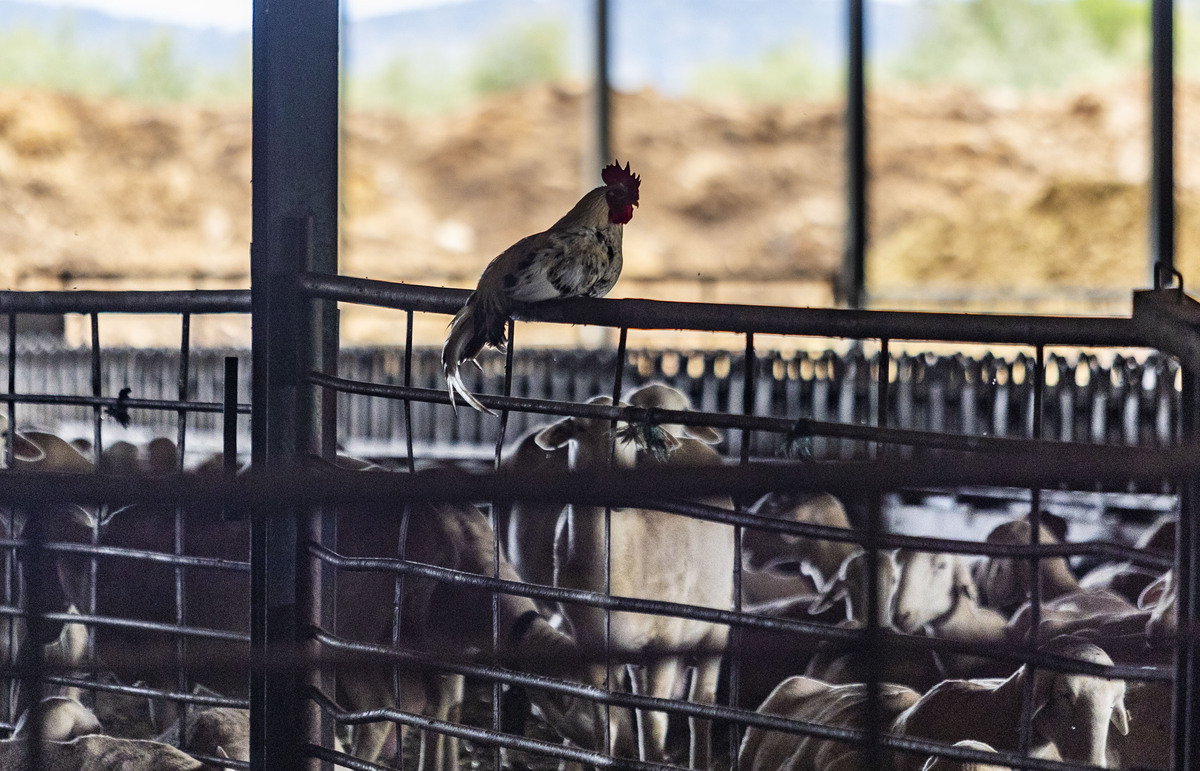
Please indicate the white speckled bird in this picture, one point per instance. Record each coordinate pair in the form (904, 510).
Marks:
(578, 256)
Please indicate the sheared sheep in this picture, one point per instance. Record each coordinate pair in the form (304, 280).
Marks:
(804, 698)
(936, 763)
(59, 719)
(656, 556)
(96, 753)
(935, 592)
(1072, 712)
(1006, 581)
(819, 559)
(837, 662)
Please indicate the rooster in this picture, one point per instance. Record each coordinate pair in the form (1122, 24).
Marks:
(578, 256)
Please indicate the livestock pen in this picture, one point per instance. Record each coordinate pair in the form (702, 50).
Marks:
(250, 589)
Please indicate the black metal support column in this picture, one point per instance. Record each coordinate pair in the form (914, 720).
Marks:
(1187, 664)
(295, 207)
(1162, 132)
(601, 101)
(853, 278)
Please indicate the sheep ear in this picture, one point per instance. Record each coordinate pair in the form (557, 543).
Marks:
(221, 753)
(1120, 717)
(1055, 524)
(555, 435)
(834, 590)
(26, 450)
(1153, 593)
(705, 434)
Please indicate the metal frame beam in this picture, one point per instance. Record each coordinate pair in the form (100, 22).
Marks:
(295, 219)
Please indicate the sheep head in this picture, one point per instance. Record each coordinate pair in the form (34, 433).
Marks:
(1075, 711)
(928, 587)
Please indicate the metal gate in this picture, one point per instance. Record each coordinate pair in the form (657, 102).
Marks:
(286, 508)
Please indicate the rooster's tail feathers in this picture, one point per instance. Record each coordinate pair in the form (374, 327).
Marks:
(463, 343)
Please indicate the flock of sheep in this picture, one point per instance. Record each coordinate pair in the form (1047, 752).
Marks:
(1119, 613)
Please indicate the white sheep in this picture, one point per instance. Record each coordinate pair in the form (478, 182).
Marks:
(804, 698)
(60, 719)
(1159, 600)
(655, 556)
(446, 619)
(1072, 712)
(528, 527)
(838, 662)
(936, 763)
(817, 558)
(1007, 581)
(96, 752)
(935, 592)
(220, 732)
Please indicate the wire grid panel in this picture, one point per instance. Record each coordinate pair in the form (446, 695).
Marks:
(867, 516)
(148, 590)
(189, 555)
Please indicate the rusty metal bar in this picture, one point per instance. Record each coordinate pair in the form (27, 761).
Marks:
(86, 301)
(712, 317)
(926, 439)
(1162, 134)
(853, 278)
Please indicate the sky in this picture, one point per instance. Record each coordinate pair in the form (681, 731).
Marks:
(228, 15)
(225, 14)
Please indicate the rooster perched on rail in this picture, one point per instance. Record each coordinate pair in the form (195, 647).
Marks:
(578, 256)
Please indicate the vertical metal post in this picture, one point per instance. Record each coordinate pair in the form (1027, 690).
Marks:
(1187, 662)
(1162, 131)
(854, 265)
(601, 99)
(295, 227)
(229, 417)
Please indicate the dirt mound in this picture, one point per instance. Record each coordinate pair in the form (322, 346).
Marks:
(739, 203)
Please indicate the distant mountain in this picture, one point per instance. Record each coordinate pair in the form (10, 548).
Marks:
(658, 43)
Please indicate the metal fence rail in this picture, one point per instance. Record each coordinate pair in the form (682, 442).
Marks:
(1132, 400)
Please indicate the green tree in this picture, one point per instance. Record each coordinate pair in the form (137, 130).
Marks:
(520, 56)
(780, 75)
(157, 75)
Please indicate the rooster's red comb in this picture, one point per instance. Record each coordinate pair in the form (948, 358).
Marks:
(613, 174)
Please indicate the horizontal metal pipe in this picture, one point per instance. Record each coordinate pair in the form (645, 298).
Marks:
(731, 618)
(1107, 549)
(212, 563)
(804, 427)
(195, 699)
(714, 317)
(1051, 465)
(86, 301)
(129, 623)
(713, 711)
(165, 405)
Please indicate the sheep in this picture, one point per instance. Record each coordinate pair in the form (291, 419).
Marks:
(1069, 613)
(59, 719)
(837, 662)
(935, 592)
(1072, 712)
(1151, 730)
(804, 698)
(213, 731)
(96, 752)
(936, 763)
(1159, 600)
(1006, 581)
(528, 528)
(654, 555)
(449, 536)
(819, 559)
